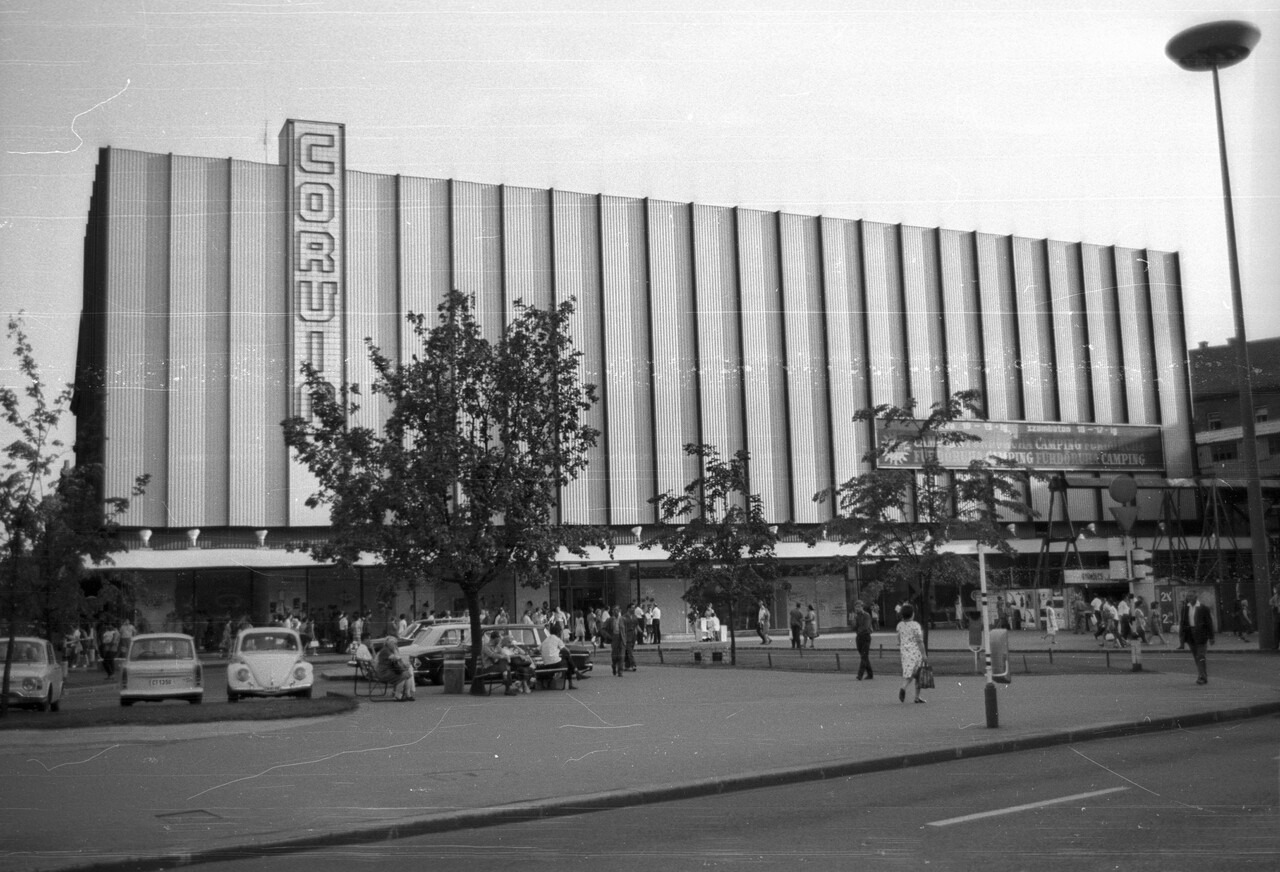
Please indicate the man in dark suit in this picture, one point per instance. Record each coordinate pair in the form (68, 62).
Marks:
(1197, 632)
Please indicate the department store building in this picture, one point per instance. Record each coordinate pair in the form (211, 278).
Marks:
(209, 282)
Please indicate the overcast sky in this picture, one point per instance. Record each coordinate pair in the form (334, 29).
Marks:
(1041, 119)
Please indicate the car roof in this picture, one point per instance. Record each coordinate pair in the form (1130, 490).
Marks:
(163, 636)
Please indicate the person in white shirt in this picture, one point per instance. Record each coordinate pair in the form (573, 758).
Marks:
(657, 625)
(555, 653)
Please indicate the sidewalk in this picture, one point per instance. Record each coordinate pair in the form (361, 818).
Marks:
(153, 798)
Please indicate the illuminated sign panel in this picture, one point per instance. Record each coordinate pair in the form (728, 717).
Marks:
(315, 156)
(1041, 445)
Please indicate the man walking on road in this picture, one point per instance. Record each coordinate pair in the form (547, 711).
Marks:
(862, 637)
(762, 624)
(796, 618)
(1197, 632)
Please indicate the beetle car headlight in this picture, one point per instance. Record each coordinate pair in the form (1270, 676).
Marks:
(299, 672)
(242, 673)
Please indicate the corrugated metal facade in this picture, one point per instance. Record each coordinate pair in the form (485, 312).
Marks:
(731, 326)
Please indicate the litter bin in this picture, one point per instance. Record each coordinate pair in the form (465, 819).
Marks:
(454, 674)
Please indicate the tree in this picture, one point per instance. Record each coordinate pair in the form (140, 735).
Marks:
(726, 548)
(51, 525)
(909, 515)
(460, 482)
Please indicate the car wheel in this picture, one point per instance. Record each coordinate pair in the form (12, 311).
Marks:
(47, 702)
(56, 705)
(306, 694)
(231, 696)
(126, 702)
(196, 700)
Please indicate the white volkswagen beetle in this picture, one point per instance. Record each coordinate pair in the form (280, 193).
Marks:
(268, 661)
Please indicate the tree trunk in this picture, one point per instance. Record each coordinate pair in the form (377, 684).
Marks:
(733, 636)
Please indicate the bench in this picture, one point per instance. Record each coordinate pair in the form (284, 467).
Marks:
(364, 670)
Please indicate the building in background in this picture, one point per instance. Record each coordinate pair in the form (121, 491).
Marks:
(209, 282)
(1215, 397)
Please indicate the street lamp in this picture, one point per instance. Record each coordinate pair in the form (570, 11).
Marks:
(1214, 46)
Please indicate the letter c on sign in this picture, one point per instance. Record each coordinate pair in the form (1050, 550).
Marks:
(308, 145)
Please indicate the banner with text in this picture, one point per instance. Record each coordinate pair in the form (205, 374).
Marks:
(1046, 446)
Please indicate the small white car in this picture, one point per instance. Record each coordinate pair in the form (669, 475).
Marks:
(268, 661)
(161, 666)
(36, 678)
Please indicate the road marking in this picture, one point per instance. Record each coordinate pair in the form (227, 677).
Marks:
(1017, 808)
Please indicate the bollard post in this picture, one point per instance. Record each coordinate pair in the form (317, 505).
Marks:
(837, 661)
(660, 658)
(1135, 654)
(769, 654)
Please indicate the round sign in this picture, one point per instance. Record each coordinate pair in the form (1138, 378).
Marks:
(1123, 489)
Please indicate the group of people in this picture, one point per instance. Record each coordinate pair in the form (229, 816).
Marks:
(803, 624)
(89, 645)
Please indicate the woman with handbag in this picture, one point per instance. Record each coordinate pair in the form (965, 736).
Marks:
(911, 650)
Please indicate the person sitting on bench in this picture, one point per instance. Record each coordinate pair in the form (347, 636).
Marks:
(494, 662)
(555, 654)
(390, 667)
(522, 671)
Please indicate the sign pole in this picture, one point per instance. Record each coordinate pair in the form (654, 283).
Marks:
(989, 692)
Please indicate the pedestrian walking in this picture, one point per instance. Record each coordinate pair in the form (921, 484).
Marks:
(1050, 625)
(611, 632)
(1150, 623)
(630, 630)
(796, 620)
(1244, 623)
(108, 642)
(762, 623)
(657, 625)
(1197, 633)
(911, 649)
(862, 638)
(811, 626)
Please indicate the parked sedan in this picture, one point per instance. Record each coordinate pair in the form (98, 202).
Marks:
(426, 649)
(161, 666)
(526, 636)
(36, 678)
(268, 661)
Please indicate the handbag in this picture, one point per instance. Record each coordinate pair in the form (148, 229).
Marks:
(924, 676)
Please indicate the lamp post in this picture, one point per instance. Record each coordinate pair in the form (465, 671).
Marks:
(1214, 46)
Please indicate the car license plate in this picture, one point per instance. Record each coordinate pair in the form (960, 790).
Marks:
(162, 682)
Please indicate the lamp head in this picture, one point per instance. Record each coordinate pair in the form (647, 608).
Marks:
(1217, 44)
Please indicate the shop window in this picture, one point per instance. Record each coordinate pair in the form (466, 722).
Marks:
(1214, 421)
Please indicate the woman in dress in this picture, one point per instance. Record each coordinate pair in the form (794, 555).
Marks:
(911, 649)
(811, 626)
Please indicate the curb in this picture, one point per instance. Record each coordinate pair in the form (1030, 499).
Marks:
(565, 806)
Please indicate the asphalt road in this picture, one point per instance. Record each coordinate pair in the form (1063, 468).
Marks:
(1203, 799)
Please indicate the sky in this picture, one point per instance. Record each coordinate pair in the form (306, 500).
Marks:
(1062, 120)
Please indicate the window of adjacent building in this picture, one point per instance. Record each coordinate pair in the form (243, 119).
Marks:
(1260, 414)
(1214, 421)
(1273, 445)
(1221, 452)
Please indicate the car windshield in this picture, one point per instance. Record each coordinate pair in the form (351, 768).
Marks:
(28, 652)
(269, 642)
(162, 649)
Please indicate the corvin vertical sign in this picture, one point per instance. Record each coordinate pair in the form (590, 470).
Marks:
(314, 155)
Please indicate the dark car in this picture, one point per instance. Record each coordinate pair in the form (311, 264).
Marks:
(429, 665)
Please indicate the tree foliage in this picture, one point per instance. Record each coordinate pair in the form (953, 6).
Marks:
(910, 515)
(460, 482)
(724, 545)
(51, 521)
